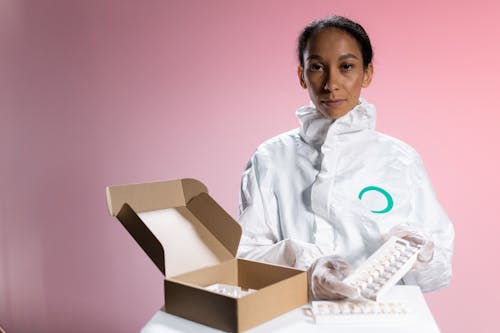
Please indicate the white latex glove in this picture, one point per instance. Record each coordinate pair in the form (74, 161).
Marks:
(407, 233)
(326, 275)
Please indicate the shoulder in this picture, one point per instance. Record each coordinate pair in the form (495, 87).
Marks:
(395, 147)
(274, 154)
(283, 143)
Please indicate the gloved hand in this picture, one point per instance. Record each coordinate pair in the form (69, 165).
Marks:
(326, 275)
(407, 233)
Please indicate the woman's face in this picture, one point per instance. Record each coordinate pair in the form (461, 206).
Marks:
(333, 72)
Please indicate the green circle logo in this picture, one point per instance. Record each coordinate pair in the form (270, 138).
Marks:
(390, 202)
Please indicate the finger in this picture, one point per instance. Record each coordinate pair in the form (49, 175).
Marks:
(409, 235)
(319, 290)
(414, 239)
(328, 292)
(340, 274)
(426, 253)
(337, 261)
(338, 267)
(324, 287)
(346, 290)
(324, 293)
(337, 286)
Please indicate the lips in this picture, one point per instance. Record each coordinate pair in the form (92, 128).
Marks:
(333, 102)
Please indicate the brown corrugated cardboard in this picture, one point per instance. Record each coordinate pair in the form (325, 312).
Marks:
(193, 241)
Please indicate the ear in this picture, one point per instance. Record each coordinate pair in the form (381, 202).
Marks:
(300, 73)
(367, 75)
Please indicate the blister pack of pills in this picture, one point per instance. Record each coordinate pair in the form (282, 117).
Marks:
(229, 290)
(360, 313)
(384, 268)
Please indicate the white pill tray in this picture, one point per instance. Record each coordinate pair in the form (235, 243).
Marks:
(384, 268)
(360, 313)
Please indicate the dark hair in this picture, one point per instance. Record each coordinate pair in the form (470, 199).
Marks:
(342, 23)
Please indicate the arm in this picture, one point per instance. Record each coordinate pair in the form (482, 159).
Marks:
(262, 239)
(429, 219)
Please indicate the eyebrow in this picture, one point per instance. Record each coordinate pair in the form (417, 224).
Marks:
(342, 57)
(347, 56)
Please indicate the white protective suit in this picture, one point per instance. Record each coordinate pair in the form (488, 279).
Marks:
(335, 187)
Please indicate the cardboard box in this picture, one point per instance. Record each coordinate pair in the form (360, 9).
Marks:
(193, 241)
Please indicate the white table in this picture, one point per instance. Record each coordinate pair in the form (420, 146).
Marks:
(298, 320)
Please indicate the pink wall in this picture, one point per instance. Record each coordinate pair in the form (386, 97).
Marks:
(94, 93)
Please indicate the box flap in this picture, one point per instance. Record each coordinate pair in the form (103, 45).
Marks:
(142, 235)
(153, 196)
(217, 221)
(176, 223)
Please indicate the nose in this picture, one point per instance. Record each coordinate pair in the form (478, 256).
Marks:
(331, 81)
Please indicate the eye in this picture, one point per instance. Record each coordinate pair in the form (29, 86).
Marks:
(316, 68)
(346, 67)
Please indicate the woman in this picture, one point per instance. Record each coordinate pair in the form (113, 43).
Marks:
(324, 197)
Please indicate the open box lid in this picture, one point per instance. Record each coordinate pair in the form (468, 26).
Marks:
(178, 225)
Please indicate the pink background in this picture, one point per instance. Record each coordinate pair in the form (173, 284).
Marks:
(95, 93)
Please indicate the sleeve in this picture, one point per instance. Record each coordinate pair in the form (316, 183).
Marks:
(429, 219)
(262, 239)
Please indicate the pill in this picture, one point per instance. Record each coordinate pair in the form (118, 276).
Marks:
(345, 309)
